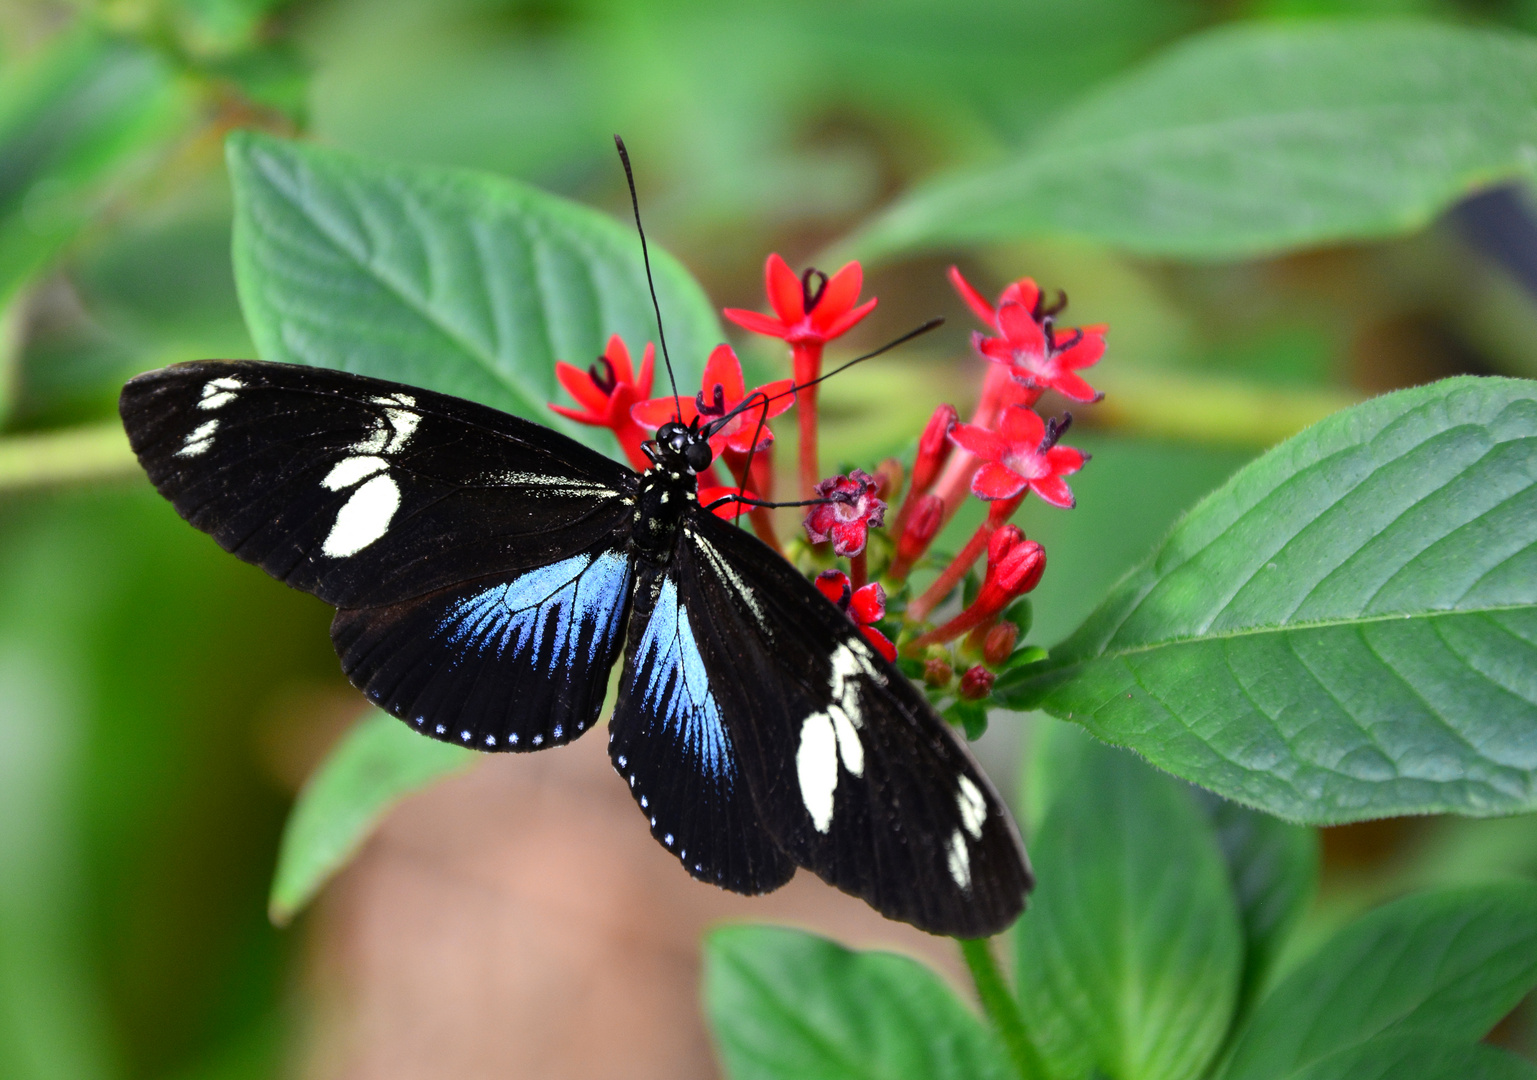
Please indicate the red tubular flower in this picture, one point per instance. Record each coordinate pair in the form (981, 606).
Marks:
(846, 519)
(809, 311)
(933, 448)
(1033, 351)
(722, 390)
(864, 606)
(606, 391)
(1014, 567)
(1021, 454)
(917, 533)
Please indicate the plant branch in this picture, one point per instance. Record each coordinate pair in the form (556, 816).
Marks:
(73, 455)
(1001, 1008)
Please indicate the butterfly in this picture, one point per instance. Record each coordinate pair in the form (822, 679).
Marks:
(487, 571)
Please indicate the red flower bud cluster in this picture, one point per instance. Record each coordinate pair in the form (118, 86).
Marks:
(865, 606)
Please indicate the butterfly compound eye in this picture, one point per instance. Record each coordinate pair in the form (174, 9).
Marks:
(698, 455)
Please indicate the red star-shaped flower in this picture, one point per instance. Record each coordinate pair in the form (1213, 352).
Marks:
(1034, 351)
(811, 309)
(1022, 453)
(864, 606)
(722, 390)
(606, 391)
(849, 513)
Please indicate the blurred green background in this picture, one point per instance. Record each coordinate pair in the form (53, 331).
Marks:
(161, 702)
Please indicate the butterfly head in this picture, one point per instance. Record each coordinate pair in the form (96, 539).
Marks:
(680, 447)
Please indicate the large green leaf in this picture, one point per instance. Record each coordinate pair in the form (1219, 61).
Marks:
(379, 762)
(1415, 1057)
(1345, 630)
(784, 1004)
(458, 281)
(77, 123)
(1448, 964)
(1130, 952)
(1273, 867)
(1252, 139)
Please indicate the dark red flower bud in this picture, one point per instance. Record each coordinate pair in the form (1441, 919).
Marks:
(977, 683)
(1014, 567)
(933, 448)
(999, 643)
(937, 672)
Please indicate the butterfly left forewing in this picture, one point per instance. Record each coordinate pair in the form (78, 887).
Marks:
(854, 774)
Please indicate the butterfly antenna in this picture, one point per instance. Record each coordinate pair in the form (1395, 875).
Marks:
(645, 254)
(747, 402)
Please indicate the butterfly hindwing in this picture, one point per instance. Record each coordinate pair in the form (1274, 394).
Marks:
(478, 562)
(361, 491)
(670, 742)
(505, 663)
(852, 772)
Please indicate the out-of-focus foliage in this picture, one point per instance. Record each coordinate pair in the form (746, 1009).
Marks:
(160, 703)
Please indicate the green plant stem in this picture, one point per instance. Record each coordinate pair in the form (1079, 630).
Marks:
(74, 455)
(1001, 1008)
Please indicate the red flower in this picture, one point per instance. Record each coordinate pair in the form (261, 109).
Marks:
(723, 389)
(1021, 453)
(811, 309)
(849, 513)
(606, 391)
(1035, 353)
(864, 606)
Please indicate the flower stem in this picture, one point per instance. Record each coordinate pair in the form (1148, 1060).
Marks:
(808, 441)
(1000, 1007)
(859, 570)
(919, 609)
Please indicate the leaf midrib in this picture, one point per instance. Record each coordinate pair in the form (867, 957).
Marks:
(1282, 628)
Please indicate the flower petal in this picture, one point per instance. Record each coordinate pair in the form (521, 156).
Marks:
(979, 441)
(994, 481)
(1022, 427)
(849, 537)
(880, 641)
(1021, 329)
(658, 411)
(1024, 291)
(579, 385)
(578, 415)
(839, 295)
(1054, 490)
(831, 584)
(723, 369)
(995, 349)
(1064, 460)
(647, 367)
(1084, 354)
(1071, 386)
(868, 604)
(619, 355)
(846, 323)
(756, 322)
(784, 290)
(974, 300)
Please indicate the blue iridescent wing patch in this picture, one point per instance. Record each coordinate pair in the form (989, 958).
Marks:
(668, 739)
(519, 663)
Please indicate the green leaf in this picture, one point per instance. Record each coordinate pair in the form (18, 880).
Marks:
(1130, 953)
(457, 281)
(1253, 139)
(1273, 867)
(78, 123)
(378, 763)
(1450, 963)
(786, 1004)
(1347, 629)
(1416, 1057)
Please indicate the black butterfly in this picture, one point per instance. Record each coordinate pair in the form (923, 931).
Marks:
(484, 569)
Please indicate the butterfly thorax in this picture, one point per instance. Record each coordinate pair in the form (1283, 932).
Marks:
(668, 488)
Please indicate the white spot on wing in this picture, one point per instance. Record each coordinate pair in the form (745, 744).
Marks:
(816, 765)
(959, 860)
(972, 806)
(849, 746)
(349, 471)
(219, 392)
(727, 571)
(363, 518)
(200, 439)
(553, 485)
